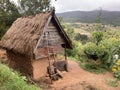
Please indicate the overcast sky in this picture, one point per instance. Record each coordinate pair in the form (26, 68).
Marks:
(86, 5)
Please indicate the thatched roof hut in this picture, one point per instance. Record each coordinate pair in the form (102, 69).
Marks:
(25, 35)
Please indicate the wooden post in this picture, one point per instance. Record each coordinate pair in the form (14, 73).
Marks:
(46, 36)
(66, 59)
(65, 53)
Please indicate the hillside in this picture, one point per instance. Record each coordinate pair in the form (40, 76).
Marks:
(108, 17)
(11, 80)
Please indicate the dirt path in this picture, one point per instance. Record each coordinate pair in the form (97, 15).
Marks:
(79, 79)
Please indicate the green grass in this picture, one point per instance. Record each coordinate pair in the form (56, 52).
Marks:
(11, 80)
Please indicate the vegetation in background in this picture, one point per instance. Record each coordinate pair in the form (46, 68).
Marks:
(9, 11)
(108, 17)
(94, 54)
(3, 29)
(11, 80)
(97, 52)
(81, 37)
(32, 7)
(97, 37)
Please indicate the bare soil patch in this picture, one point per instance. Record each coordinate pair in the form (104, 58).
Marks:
(78, 79)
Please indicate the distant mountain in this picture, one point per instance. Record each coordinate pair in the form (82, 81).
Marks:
(108, 17)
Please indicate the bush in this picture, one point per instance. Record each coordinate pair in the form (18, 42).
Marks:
(111, 47)
(116, 69)
(77, 51)
(97, 36)
(104, 51)
(93, 51)
(11, 80)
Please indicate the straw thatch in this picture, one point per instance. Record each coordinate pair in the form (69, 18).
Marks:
(23, 35)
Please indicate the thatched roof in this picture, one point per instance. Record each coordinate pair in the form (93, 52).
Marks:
(23, 35)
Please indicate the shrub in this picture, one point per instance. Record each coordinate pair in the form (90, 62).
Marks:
(93, 51)
(111, 47)
(97, 36)
(77, 51)
(116, 69)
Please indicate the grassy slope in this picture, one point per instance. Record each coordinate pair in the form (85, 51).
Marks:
(11, 80)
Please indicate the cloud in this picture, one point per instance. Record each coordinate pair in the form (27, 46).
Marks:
(85, 5)
(112, 6)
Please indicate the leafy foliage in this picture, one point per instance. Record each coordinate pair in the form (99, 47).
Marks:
(8, 14)
(9, 11)
(32, 7)
(93, 51)
(116, 69)
(77, 50)
(97, 36)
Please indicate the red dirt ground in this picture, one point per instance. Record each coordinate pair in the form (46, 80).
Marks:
(79, 79)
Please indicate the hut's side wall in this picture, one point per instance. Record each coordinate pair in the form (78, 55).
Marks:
(40, 67)
(20, 63)
(52, 38)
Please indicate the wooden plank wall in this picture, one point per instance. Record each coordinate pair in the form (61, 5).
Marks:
(51, 40)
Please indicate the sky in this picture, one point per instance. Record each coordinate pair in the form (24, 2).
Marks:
(85, 5)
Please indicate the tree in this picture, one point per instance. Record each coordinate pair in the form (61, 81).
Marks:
(32, 7)
(8, 12)
(99, 26)
(97, 36)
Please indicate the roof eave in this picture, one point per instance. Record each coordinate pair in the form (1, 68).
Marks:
(64, 33)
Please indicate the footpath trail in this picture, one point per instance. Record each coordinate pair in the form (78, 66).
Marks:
(79, 79)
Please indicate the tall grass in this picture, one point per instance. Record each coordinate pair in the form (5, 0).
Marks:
(11, 80)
